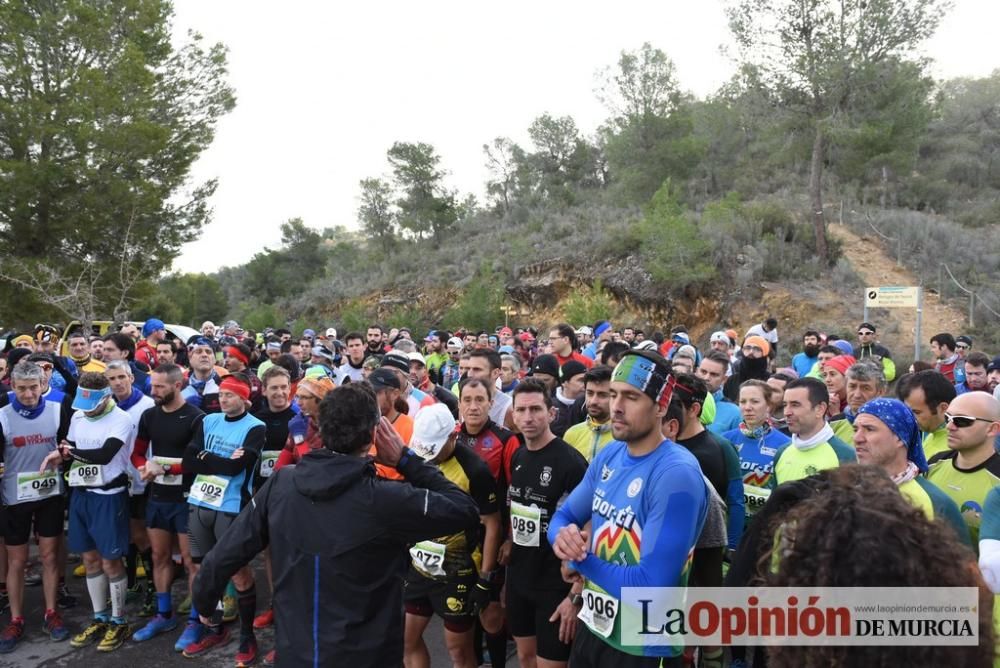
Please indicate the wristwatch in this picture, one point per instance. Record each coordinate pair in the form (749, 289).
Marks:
(576, 599)
(404, 457)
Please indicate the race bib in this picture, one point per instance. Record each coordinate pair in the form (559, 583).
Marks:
(209, 489)
(86, 475)
(599, 612)
(268, 459)
(525, 524)
(428, 558)
(35, 486)
(171, 479)
(754, 498)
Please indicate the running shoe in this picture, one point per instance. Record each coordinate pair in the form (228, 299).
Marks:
(114, 637)
(135, 592)
(55, 627)
(90, 635)
(4, 602)
(247, 653)
(192, 633)
(32, 576)
(154, 627)
(79, 571)
(148, 608)
(10, 637)
(210, 640)
(230, 608)
(264, 620)
(64, 599)
(185, 605)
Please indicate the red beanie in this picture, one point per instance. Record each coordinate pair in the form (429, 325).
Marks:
(841, 363)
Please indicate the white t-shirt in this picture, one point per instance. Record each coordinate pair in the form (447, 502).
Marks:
(346, 371)
(758, 330)
(91, 434)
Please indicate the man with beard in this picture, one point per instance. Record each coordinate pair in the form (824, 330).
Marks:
(976, 374)
(663, 486)
(752, 364)
(803, 362)
(590, 436)
(167, 428)
(376, 344)
(993, 374)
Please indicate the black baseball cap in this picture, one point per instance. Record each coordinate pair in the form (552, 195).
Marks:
(382, 379)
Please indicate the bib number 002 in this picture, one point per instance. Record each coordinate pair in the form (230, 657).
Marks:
(209, 489)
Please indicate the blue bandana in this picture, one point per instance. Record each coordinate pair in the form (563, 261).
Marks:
(900, 421)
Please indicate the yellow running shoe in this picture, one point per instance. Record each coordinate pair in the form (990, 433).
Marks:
(114, 637)
(91, 634)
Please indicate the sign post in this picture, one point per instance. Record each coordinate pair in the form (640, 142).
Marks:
(898, 297)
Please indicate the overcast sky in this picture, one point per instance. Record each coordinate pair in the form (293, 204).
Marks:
(323, 89)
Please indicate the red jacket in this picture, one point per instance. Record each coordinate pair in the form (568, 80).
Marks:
(145, 354)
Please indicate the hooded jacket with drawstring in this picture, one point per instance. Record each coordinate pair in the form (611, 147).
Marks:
(338, 537)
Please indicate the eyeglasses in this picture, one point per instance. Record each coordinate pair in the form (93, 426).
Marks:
(964, 421)
(865, 333)
(753, 349)
(303, 397)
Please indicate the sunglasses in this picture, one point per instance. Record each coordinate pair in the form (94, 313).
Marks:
(860, 333)
(964, 421)
(962, 346)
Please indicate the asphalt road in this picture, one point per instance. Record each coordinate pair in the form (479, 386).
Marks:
(36, 650)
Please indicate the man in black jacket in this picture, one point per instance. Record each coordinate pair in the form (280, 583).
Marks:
(338, 538)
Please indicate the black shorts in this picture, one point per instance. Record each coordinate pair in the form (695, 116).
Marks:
(448, 599)
(137, 506)
(528, 615)
(46, 516)
(205, 528)
(169, 516)
(589, 651)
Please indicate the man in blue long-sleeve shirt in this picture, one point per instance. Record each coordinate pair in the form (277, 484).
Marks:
(646, 501)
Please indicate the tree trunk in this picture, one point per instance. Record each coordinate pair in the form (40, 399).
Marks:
(816, 194)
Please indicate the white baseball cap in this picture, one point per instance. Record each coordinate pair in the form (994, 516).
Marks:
(331, 333)
(432, 427)
(455, 342)
(417, 357)
(720, 336)
(585, 330)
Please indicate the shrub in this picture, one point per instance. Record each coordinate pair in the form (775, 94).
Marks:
(589, 304)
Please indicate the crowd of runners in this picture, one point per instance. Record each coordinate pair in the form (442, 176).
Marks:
(510, 482)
